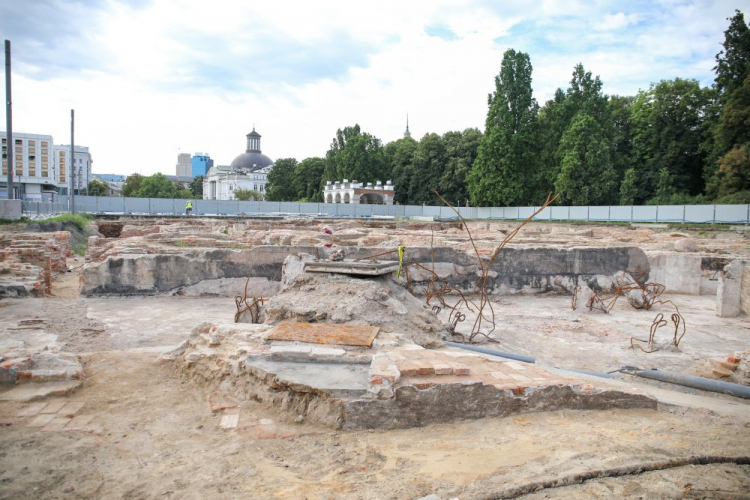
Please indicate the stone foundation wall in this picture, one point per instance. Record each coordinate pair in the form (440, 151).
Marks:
(516, 270)
(29, 260)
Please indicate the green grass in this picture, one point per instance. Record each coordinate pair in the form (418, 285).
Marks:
(79, 220)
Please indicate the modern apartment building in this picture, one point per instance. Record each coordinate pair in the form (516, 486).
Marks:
(81, 169)
(42, 169)
(184, 166)
(35, 174)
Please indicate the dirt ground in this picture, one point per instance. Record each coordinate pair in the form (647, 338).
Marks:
(151, 434)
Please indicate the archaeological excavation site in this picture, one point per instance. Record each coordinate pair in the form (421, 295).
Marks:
(308, 357)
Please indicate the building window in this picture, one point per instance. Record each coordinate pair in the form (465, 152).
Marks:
(18, 142)
(62, 154)
(45, 144)
(32, 173)
(44, 151)
(32, 142)
(45, 173)
(19, 149)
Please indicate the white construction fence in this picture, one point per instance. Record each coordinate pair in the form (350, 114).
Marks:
(723, 214)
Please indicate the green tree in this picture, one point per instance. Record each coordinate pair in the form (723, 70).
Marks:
(356, 155)
(622, 146)
(664, 188)
(308, 179)
(428, 164)
(247, 195)
(156, 186)
(132, 185)
(733, 174)
(584, 94)
(280, 186)
(184, 194)
(586, 173)
(628, 188)
(733, 63)
(400, 157)
(98, 188)
(196, 186)
(506, 162)
(667, 123)
(461, 149)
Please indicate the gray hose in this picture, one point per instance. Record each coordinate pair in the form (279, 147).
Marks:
(705, 384)
(492, 352)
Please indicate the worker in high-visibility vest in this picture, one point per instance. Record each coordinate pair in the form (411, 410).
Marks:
(189, 207)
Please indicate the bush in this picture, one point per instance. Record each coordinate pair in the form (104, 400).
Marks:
(738, 198)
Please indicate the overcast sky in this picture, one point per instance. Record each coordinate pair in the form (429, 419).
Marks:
(152, 78)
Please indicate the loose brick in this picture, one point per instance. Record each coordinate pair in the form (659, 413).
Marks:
(726, 365)
(461, 369)
(442, 368)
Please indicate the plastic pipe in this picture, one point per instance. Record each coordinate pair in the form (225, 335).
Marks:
(491, 352)
(702, 383)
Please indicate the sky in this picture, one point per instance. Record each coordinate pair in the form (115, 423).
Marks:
(149, 79)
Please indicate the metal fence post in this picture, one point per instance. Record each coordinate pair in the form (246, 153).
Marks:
(631, 213)
(714, 216)
(657, 213)
(683, 214)
(588, 215)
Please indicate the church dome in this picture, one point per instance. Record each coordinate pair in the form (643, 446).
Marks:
(252, 158)
(251, 161)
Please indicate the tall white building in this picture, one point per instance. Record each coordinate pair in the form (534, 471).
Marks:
(81, 169)
(35, 175)
(184, 167)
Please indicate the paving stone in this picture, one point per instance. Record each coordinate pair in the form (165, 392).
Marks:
(71, 408)
(31, 410)
(41, 420)
(53, 407)
(229, 421)
(79, 423)
(57, 424)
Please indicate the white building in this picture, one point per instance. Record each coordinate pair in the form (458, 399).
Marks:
(248, 171)
(184, 167)
(82, 167)
(359, 192)
(35, 176)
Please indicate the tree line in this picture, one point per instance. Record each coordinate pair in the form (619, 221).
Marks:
(674, 143)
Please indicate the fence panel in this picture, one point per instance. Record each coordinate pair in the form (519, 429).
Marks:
(308, 208)
(163, 206)
(670, 213)
(524, 212)
(468, 212)
(346, 209)
(559, 213)
(599, 213)
(699, 213)
(429, 211)
(545, 214)
(620, 214)
(289, 207)
(645, 213)
(732, 213)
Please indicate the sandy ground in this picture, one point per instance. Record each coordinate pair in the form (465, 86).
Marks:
(153, 435)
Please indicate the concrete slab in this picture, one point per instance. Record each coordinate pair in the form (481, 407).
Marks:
(356, 268)
(337, 380)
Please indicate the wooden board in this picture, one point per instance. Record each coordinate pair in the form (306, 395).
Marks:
(325, 333)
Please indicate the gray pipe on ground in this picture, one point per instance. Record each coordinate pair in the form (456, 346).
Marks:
(702, 383)
(492, 352)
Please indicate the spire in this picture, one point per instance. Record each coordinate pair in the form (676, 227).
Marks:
(407, 133)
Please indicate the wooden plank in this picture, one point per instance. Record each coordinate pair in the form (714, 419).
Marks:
(325, 333)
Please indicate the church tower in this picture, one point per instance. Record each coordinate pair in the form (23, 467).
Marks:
(407, 133)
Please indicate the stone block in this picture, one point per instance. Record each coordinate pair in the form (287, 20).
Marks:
(728, 295)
